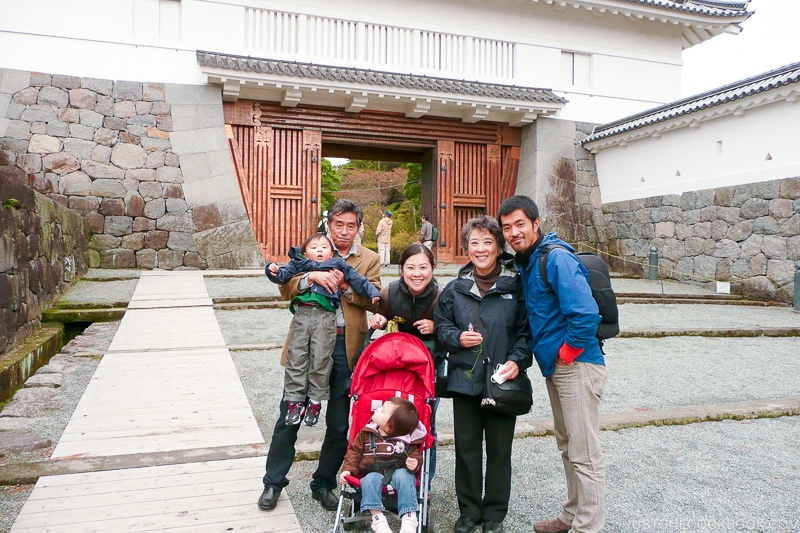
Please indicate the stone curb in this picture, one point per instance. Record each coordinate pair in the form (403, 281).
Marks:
(28, 473)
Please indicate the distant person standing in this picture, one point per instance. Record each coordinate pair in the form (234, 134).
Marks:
(322, 227)
(383, 233)
(360, 234)
(426, 233)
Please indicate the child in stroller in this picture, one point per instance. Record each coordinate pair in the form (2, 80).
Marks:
(395, 372)
(388, 450)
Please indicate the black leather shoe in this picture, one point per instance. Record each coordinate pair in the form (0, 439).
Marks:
(269, 498)
(326, 498)
(492, 527)
(465, 525)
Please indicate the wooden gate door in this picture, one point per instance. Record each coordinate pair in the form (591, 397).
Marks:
(279, 175)
(472, 180)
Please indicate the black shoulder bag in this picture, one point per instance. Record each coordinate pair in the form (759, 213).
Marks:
(513, 397)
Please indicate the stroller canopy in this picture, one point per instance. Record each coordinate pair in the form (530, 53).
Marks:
(395, 361)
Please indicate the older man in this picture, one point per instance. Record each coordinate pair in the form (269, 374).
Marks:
(344, 218)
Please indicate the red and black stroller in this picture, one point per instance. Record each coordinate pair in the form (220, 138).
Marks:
(396, 364)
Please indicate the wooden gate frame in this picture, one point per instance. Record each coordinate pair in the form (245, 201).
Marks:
(277, 154)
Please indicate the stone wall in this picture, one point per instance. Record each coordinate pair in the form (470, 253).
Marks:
(145, 164)
(560, 175)
(43, 250)
(747, 234)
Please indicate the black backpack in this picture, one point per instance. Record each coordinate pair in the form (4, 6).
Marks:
(600, 283)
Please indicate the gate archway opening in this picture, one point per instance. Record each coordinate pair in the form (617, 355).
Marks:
(277, 153)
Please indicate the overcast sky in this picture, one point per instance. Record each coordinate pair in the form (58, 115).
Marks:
(770, 39)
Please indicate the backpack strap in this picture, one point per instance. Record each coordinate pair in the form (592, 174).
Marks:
(543, 265)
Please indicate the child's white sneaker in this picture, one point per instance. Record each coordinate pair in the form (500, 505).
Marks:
(408, 524)
(380, 525)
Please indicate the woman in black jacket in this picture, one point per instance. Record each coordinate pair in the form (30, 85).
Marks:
(482, 314)
(412, 297)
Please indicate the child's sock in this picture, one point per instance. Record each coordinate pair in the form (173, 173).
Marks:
(380, 525)
(408, 524)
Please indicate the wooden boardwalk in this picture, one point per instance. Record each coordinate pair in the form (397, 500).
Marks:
(166, 383)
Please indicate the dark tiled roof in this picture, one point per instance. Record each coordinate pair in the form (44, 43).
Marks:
(374, 77)
(712, 8)
(735, 91)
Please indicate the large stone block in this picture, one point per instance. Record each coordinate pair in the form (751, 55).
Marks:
(176, 222)
(127, 90)
(727, 248)
(12, 81)
(134, 205)
(758, 288)
(740, 231)
(53, 96)
(80, 148)
(146, 259)
(765, 226)
(790, 227)
(143, 224)
(150, 190)
(66, 82)
(154, 209)
(82, 132)
(170, 259)
(765, 191)
(754, 208)
(91, 118)
(101, 171)
(30, 163)
(44, 144)
(774, 247)
(176, 205)
(96, 85)
(134, 241)
(118, 226)
(141, 174)
(108, 188)
(181, 241)
(195, 141)
(118, 258)
(757, 266)
(60, 163)
(128, 156)
(780, 208)
(790, 188)
(192, 94)
(156, 239)
(225, 239)
(103, 242)
(124, 109)
(82, 98)
(75, 183)
(39, 113)
(112, 207)
(248, 257)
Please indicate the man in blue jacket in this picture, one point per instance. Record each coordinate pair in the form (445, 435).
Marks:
(563, 328)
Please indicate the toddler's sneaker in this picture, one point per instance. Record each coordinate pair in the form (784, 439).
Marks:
(380, 525)
(408, 524)
(312, 413)
(294, 413)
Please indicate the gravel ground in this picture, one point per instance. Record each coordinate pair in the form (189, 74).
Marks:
(659, 478)
(710, 477)
(644, 374)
